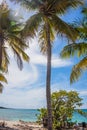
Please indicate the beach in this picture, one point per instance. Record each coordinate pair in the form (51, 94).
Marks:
(25, 119)
(19, 125)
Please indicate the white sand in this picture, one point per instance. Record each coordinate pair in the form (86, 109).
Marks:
(20, 125)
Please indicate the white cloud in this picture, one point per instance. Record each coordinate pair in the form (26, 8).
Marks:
(17, 78)
(22, 90)
(38, 58)
(33, 98)
(83, 92)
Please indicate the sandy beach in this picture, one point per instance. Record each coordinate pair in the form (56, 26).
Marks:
(20, 125)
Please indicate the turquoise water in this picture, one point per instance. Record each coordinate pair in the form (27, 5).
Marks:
(30, 115)
(79, 118)
(19, 114)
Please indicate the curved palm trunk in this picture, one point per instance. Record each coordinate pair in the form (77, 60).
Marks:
(48, 78)
(1, 43)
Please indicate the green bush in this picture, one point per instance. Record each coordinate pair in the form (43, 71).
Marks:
(63, 106)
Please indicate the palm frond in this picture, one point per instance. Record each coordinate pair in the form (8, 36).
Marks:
(16, 27)
(18, 59)
(61, 6)
(4, 18)
(21, 53)
(84, 11)
(78, 69)
(42, 38)
(83, 32)
(32, 25)
(1, 87)
(5, 61)
(74, 49)
(63, 28)
(2, 78)
(13, 39)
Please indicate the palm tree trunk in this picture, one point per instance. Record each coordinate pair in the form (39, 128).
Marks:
(48, 78)
(1, 43)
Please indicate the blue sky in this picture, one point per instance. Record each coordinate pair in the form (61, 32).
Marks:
(26, 88)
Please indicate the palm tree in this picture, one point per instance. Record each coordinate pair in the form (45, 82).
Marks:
(2, 79)
(10, 38)
(47, 23)
(79, 49)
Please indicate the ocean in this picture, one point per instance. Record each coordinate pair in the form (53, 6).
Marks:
(30, 115)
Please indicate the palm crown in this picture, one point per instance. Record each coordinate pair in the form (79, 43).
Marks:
(79, 49)
(48, 11)
(46, 23)
(10, 38)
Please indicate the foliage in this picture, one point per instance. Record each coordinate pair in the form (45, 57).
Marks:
(79, 49)
(10, 37)
(2, 79)
(43, 114)
(46, 22)
(48, 11)
(63, 105)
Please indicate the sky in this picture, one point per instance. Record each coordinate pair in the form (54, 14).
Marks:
(27, 88)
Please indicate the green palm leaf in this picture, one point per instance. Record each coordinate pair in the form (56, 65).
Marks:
(2, 78)
(64, 28)
(78, 69)
(10, 36)
(5, 61)
(60, 7)
(1, 88)
(13, 39)
(15, 28)
(21, 52)
(18, 58)
(32, 25)
(79, 49)
(42, 38)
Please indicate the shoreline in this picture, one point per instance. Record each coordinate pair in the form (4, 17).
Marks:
(22, 125)
(19, 125)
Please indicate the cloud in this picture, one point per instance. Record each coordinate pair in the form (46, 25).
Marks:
(33, 98)
(23, 89)
(38, 58)
(17, 78)
(83, 92)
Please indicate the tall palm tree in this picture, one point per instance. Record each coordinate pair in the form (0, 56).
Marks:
(47, 23)
(10, 38)
(79, 49)
(2, 79)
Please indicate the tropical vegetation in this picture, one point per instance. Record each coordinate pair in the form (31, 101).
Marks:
(64, 104)
(10, 38)
(2, 79)
(46, 23)
(79, 48)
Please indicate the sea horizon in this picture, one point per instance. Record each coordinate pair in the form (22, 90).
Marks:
(30, 115)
